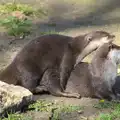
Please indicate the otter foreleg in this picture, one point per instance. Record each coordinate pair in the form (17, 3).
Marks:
(66, 67)
(52, 81)
(39, 89)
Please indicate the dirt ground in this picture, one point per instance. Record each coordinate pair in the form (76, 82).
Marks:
(70, 18)
(87, 103)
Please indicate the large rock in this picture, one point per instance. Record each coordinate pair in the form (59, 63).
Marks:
(13, 98)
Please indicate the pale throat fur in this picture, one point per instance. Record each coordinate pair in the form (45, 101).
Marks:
(111, 66)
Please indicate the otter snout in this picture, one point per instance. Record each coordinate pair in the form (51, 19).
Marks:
(113, 36)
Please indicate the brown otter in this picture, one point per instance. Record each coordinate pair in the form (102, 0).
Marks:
(45, 63)
(97, 78)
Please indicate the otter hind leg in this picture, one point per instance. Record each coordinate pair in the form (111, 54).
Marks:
(28, 76)
(39, 89)
(66, 94)
(51, 79)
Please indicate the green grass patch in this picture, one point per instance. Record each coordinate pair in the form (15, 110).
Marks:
(114, 108)
(26, 9)
(17, 117)
(115, 114)
(105, 104)
(65, 109)
(42, 105)
(45, 106)
(10, 7)
(16, 27)
(56, 109)
(15, 18)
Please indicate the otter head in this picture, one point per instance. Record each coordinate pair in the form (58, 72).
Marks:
(93, 40)
(114, 53)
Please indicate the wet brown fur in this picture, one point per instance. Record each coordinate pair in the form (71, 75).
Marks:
(45, 63)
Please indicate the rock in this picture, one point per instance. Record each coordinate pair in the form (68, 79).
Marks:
(13, 98)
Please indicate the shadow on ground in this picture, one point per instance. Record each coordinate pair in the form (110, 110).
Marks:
(66, 15)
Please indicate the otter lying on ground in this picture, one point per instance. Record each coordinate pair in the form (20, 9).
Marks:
(97, 78)
(45, 63)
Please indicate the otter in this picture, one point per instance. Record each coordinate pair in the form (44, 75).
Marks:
(96, 79)
(45, 63)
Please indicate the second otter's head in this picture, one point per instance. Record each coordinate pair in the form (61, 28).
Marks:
(92, 41)
(109, 51)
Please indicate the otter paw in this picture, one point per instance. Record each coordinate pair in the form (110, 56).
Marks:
(77, 95)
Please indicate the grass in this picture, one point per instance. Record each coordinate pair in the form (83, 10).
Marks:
(114, 110)
(10, 7)
(26, 9)
(17, 20)
(16, 27)
(42, 105)
(45, 106)
(65, 109)
(105, 104)
(17, 117)
(115, 114)
(56, 109)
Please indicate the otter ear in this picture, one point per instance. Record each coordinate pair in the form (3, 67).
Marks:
(88, 38)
